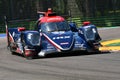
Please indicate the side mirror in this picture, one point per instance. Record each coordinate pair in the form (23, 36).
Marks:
(73, 26)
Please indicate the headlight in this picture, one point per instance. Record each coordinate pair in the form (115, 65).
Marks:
(33, 39)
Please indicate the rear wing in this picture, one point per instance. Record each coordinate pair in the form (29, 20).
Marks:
(48, 13)
(19, 29)
(6, 27)
(40, 14)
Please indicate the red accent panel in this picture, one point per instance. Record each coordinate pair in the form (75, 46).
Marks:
(52, 43)
(86, 23)
(18, 51)
(30, 52)
(21, 29)
(51, 19)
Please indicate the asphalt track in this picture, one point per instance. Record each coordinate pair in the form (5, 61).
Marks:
(75, 66)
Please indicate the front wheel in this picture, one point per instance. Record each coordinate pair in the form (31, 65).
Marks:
(23, 50)
(25, 55)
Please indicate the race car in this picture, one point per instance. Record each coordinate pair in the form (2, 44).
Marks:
(52, 34)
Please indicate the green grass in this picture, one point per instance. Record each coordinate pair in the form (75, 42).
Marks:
(114, 44)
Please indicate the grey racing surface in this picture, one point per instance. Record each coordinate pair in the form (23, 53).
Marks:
(74, 66)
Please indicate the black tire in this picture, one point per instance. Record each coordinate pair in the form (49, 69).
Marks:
(9, 46)
(11, 49)
(23, 44)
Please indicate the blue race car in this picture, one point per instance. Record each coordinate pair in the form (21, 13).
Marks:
(52, 34)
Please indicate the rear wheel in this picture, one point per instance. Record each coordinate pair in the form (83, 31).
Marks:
(11, 48)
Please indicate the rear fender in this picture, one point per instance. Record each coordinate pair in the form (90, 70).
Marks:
(73, 27)
(85, 31)
(14, 34)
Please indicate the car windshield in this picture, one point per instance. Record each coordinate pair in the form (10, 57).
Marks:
(55, 26)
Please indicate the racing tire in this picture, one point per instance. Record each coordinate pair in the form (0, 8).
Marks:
(11, 49)
(23, 45)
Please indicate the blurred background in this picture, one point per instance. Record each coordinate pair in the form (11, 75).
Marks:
(102, 13)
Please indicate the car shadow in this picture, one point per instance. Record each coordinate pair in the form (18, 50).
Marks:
(70, 54)
(66, 54)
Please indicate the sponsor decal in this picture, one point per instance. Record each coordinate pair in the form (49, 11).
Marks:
(60, 32)
(61, 37)
(79, 45)
(55, 44)
(65, 43)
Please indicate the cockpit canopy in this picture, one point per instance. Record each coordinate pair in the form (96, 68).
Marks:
(49, 16)
(50, 22)
(54, 26)
(51, 19)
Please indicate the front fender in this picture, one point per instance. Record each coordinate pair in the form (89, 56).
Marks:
(31, 38)
(79, 41)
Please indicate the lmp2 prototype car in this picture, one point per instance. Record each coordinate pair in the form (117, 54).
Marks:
(52, 34)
